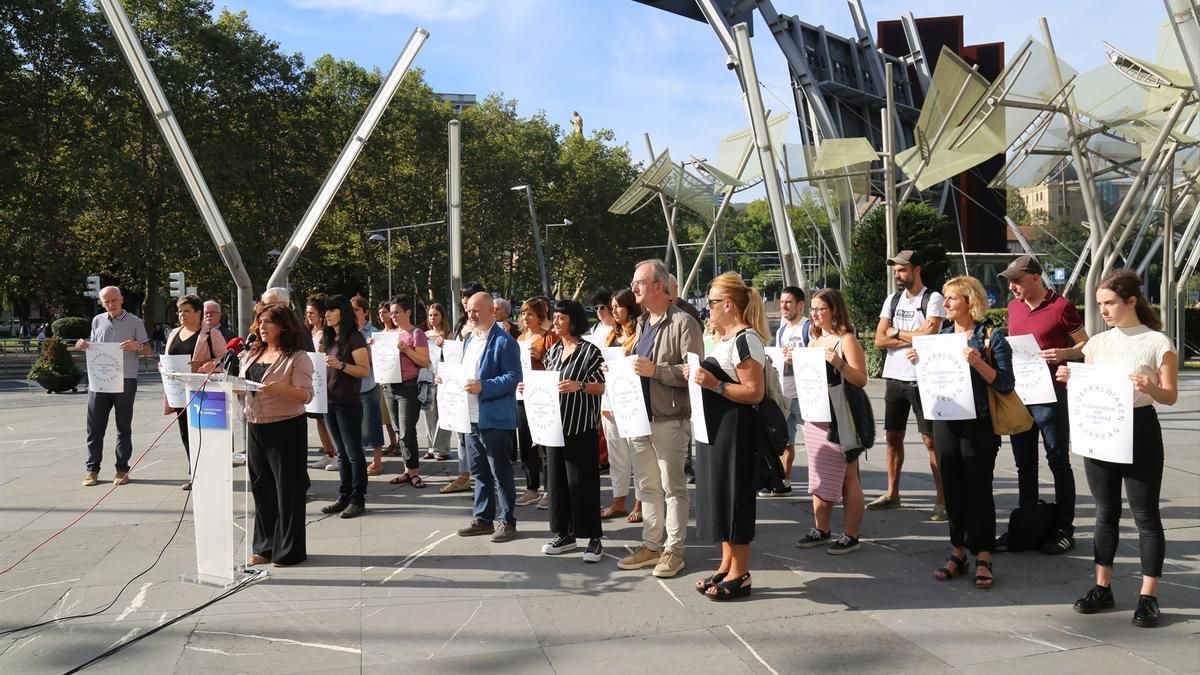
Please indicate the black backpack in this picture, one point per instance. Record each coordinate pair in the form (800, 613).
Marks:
(1031, 525)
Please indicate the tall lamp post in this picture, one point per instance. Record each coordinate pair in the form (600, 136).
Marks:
(554, 260)
(375, 236)
(537, 238)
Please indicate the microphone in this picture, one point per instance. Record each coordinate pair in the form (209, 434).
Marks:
(228, 363)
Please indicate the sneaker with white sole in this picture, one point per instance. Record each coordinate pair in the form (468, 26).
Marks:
(544, 503)
(643, 557)
(595, 550)
(939, 514)
(559, 545)
(814, 537)
(844, 545)
(333, 465)
(239, 459)
(668, 565)
(529, 498)
(321, 462)
(91, 478)
(504, 532)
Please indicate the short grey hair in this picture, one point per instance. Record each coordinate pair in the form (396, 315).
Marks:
(659, 268)
(278, 294)
(504, 305)
(214, 303)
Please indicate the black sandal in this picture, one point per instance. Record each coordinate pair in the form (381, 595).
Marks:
(983, 582)
(708, 582)
(944, 573)
(730, 590)
(417, 482)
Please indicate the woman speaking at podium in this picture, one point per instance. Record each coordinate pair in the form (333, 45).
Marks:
(278, 435)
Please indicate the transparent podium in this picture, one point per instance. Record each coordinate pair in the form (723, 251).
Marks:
(212, 410)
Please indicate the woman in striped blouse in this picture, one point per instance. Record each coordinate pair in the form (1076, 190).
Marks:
(574, 470)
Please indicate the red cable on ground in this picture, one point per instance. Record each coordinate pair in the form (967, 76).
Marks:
(115, 485)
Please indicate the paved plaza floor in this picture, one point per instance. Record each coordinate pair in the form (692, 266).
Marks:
(396, 590)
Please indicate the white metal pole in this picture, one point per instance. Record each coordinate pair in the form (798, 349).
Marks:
(454, 218)
(889, 174)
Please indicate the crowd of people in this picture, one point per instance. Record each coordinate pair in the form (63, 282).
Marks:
(751, 417)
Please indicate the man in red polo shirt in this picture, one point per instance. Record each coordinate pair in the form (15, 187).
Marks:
(1055, 323)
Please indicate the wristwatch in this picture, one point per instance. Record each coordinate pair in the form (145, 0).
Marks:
(342, 367)
(720, 389)
(893, 332)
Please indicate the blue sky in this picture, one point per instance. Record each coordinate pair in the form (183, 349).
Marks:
(635, 69)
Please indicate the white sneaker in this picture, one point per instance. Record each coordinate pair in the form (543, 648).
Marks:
(322, 462)
(333, 465)
(239, 458)
(544, 503)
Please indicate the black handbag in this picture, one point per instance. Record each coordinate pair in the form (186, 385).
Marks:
(1031, 525)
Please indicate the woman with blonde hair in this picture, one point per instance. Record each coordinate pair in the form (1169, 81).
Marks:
(966, 449)
(625, 312)
(734, 382)
(833, 480)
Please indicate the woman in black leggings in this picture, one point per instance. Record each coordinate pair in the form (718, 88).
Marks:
(1133, 343)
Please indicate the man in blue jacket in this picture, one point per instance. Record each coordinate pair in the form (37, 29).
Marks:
(496, 360)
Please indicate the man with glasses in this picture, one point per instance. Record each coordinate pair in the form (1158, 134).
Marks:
(114, 325)
(1056, 325)
(912, 310)
(664, 336)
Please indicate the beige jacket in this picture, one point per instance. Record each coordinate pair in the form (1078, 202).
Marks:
(295, 369)
(678, 334)
(210, 346)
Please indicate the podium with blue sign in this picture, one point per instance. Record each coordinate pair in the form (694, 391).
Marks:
(211, 414)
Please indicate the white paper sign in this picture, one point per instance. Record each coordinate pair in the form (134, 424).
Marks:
(106, 367)
(1100, 403)
(623, 387)
(526, 364)
(385, 357)
(609, 354)
(777, 359)
(452, 351)
(944, 377)
(1032, 374)
(320, 400)
(542, 408)
(175, 389)
(696, 396)
(435, 356)
(812, 383)
(454, 412)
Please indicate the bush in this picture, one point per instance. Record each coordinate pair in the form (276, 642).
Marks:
(919, 227)
(1191, 332)
(874, 355)
(72, 328)
(54, 360)
(998, 317)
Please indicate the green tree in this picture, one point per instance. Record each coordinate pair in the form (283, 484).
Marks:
(919, 227)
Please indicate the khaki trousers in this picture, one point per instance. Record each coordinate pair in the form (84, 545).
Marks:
(658, 461)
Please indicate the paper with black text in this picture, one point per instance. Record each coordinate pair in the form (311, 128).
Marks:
(944, 376)
(452, 351)
(175, 389)
(1033, 383)
(454, 411)
(385, 357)
(812, 383)
(319, 405)
(542, 408)
(623, 388)
(106, 367)
(1100, 407)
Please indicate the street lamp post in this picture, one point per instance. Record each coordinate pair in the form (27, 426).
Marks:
(537, 238)
(375, 236)
(555, 261)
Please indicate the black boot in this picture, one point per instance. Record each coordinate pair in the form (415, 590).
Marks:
(1146, 615)
(1097, 598)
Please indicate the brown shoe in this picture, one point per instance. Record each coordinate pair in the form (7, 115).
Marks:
(456, 486)
(256, 559)
(121, 478)
(91, 478)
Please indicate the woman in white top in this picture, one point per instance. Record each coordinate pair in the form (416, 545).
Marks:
(314, 321)
(1135, 344)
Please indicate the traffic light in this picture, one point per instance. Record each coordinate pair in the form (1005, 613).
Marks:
(93, 287)
(178, 286)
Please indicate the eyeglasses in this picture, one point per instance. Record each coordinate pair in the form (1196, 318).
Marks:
(818, 310)
(713, 301)
(633, 285)
(600, 308)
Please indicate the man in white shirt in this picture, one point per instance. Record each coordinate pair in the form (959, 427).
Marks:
(912, 310)
(793, 332)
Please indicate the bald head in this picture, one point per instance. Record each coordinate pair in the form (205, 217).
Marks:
(481, 311)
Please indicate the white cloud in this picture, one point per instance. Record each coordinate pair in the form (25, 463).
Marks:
(426, 10)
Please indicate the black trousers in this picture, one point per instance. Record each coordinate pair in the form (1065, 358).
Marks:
(966, 452)
(344, 422)
(574, 482)
(530, 453)
(99, 406)
(182, 422)
(1143, 482)
(402, 402)
(276, 460)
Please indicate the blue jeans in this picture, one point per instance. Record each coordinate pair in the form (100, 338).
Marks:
(344, 421)
(489, 452)
(1051, 419)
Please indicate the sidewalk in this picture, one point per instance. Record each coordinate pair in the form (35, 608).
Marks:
(396, 589)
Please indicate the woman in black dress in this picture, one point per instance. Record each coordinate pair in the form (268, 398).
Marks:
(573, 471)
(192, 338)
(733, 382)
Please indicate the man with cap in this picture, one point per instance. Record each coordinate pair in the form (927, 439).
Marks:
(912, 310)
(1056, 325)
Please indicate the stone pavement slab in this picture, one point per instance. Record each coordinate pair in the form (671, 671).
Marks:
(397, 590)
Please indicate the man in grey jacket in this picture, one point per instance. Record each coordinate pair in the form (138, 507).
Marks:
(665, 334)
